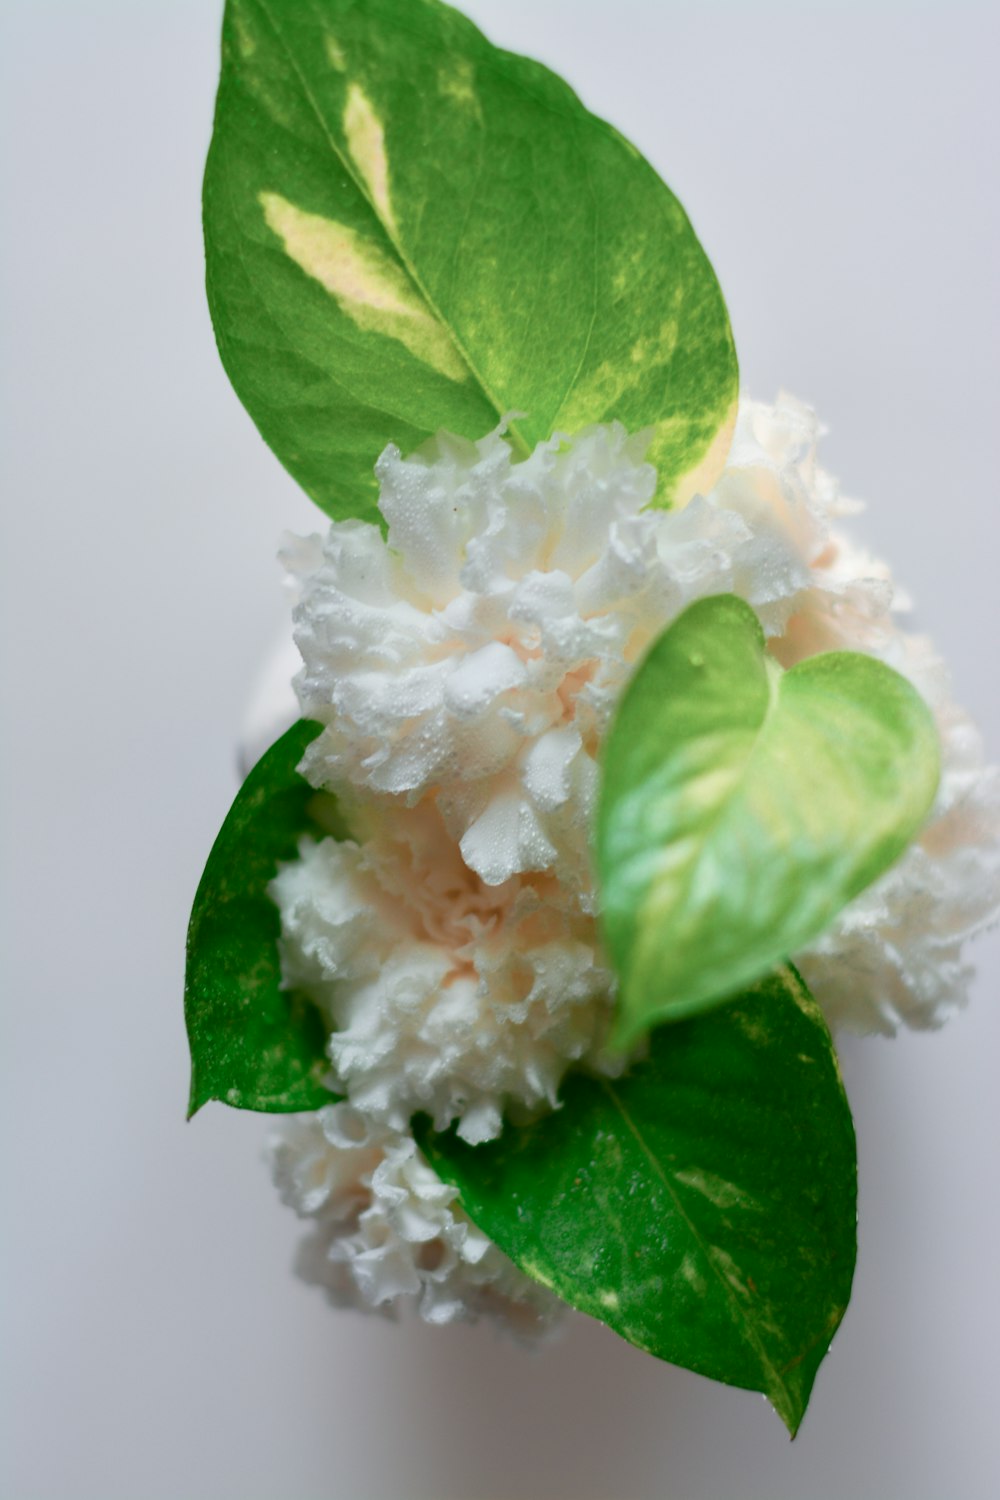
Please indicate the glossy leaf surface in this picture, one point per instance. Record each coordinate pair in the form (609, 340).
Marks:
(409, 229)
(253, 1044)
(703, 1206)
(742, 806)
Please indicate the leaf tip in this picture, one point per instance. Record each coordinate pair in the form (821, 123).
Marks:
(196, 1099)
(792, 1422)
(789, 1406)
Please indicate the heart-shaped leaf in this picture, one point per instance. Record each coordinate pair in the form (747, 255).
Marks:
(743, 806)
(703, 1206)
(408, 229)
(253, 1044)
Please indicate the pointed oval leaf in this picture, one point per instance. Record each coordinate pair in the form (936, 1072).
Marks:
(408, 229)
(253, 1044)
(742, 806)
(703, 1206)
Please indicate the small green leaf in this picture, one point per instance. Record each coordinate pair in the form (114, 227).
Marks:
(253, 1044)
(742, 807)
(703, 1206)
(408, 229)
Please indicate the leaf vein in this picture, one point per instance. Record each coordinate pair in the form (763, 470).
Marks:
(739, 1315)
(362, 188)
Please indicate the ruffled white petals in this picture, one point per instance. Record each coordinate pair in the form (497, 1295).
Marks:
(511, 601)
(385, 1227)
(548, 765)
(895, 955)
(476, 681)
(443, 994)
(465, 669)
(485, 622)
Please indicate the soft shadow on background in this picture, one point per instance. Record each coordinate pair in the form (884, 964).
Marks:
(839, 164)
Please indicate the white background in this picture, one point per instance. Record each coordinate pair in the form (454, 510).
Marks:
(837, 162)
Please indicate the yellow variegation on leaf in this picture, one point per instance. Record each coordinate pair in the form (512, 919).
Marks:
(409, 230)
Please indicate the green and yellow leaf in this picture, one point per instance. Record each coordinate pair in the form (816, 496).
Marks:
(742, 806)
(408, 229)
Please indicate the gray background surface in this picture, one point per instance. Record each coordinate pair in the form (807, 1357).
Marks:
(839, 165)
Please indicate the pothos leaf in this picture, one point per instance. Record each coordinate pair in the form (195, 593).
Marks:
(408, 229)
(703, 1206)
(743, 806)
(253, 1044)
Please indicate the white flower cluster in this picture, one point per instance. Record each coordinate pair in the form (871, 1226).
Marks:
(384, 1227)
(443, 994)
(465, 667)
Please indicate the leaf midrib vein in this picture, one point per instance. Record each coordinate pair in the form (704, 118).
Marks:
(574, 377)
(348, 166)
(324, 370)
(704, 1247)
(774, 677)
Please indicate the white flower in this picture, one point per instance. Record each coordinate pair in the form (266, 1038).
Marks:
(895, 955)
(385, 1227)
(476, 653)
(465, 668)
(444, 994)
(469, 663)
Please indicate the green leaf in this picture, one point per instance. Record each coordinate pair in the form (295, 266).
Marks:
(407, 229)
(253, 1044)
(703, 1206)
(742, 807)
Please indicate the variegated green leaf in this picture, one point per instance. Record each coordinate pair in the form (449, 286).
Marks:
(703, 1206)
(743, 806)
(408, 229)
